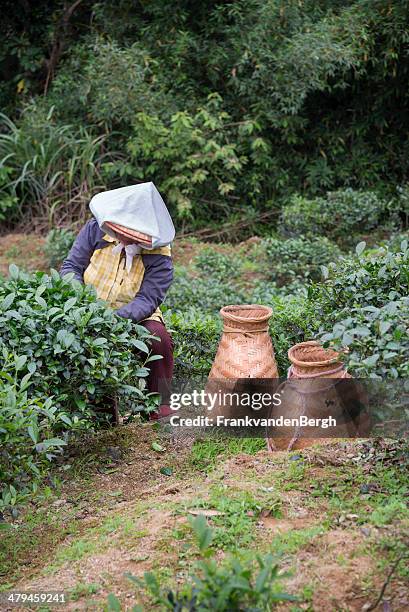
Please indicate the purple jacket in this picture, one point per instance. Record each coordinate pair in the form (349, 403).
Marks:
(156, 281)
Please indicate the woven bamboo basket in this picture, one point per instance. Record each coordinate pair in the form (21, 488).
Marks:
(245, 352)
(310, 391)
(245, 349)
(310, 360)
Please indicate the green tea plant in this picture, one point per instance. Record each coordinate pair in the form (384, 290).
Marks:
(28, 443)
(293, 320)
(77, 349)
(246, 581)
(208, 293)
(58, 243)
(298, 258)
(363, 305)
(196, 337)
(222, 266)
(339, 216)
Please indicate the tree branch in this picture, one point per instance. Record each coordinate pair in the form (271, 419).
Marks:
(58, 43)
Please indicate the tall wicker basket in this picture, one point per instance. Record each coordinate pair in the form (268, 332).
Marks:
(245, 349)
(309, 391)
(245, 354)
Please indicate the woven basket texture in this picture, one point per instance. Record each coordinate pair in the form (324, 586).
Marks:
(310, 359)
(245, 349)
(308, 391)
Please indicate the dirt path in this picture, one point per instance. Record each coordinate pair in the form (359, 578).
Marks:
(127, 516)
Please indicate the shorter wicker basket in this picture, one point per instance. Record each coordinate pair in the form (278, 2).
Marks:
(308, 392)
(311, 360)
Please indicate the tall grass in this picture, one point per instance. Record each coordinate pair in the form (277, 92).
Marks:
(51, 170)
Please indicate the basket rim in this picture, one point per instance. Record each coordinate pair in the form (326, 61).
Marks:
(230, 312)
(298, 362)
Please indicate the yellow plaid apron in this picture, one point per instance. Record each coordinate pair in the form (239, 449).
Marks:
(108, 274)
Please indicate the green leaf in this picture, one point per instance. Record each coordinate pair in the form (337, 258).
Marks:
(167, 471)
(371, 361)
(20, 362)
(40, 301)
(69, 304)
(203, 533)
(14, 272)
(384, 326)
(33, 433)
(154, 358)
(325, 272)
(158, 447)
(360, 247)
(114, 605)
(7, 302)
(141, 346)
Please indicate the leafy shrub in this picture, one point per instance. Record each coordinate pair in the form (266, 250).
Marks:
(208, 294)
(27, 440)
(58, 244)
(364, 305)
(196, 337)
(197, 157)
(77, 350)
(221, 266)
(298, 258)
(246, 582)
(293, 320)
(109, 83)
(378, 339)
(339, 215)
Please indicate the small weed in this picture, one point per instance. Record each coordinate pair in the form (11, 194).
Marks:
(292, 541)
(83, 590)
(207, 454)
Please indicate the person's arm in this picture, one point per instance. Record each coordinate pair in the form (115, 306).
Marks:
(81, 252)
(156, 281)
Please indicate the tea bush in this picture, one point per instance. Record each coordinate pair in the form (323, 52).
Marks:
(77, 350)
(207, 294)
(27, 440)
(58, 244)
(364, 304)
(339, 216)
(293, 320)
(298, 258)
(223, 266)
(196, 337)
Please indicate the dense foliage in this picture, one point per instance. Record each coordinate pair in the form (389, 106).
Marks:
(341, 215)
(64, 360)
(59, 242)
(28, 442)
(231, 108)
(77, 349)
(365, 300)
(298, 258)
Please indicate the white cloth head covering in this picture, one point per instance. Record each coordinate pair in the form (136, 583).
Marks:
(137, 207)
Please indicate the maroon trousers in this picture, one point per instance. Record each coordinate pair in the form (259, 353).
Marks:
(162, 369)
